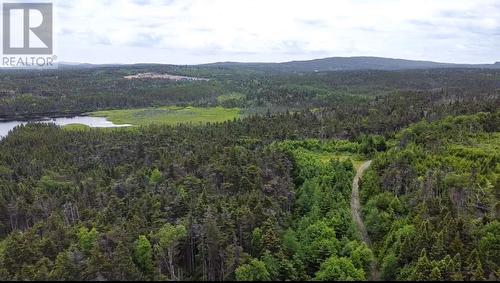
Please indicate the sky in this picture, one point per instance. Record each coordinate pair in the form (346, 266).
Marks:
(203, 31)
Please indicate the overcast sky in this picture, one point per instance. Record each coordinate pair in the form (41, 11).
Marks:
(200, 31)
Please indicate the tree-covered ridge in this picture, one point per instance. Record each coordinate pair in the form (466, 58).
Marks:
(74, 91)
(431, 203)
(182, 202)
(201, 203)
(145, 204)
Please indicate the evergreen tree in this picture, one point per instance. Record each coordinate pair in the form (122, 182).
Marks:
(422, 268)
(143, 255)
(254, 271)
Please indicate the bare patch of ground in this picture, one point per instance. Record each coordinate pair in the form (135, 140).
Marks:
(163, 77)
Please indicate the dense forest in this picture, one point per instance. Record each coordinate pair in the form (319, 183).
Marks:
(263, 197)
(432, 201)
(74, 91)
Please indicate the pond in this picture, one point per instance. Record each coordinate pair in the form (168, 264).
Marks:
(93, 122)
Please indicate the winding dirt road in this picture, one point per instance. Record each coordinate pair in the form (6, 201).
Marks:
(356, 206)
(356, 214)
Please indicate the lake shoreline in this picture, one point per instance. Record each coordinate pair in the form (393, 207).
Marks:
(92, 122)
(41, 117)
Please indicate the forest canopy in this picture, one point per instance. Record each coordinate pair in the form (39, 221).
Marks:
(264, 194)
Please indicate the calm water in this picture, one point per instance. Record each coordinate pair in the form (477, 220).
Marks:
(93, 122)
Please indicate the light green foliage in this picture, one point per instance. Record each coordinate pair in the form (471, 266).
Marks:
(372, 144)
(325, 173)
(143, 255)
(87, 239)
(313, 157)
(435, 191)
(339, 269)
(52, 182)
(489, 245)
(318, 242)
(273, 264)
(171, 115)
(380, 211)
(168, 239)
(360, 254)
(155, 177)
(254, 271)
(76, 127)
(170, 235)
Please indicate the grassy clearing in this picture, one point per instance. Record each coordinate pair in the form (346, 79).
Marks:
(326, 157)
(76, 127)
(323, 152)
(171, 115)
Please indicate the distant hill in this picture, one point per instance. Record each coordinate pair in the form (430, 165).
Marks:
(77, 65)
(316, 65)
(349, 63)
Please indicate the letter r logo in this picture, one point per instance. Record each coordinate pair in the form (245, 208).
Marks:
(27, 28)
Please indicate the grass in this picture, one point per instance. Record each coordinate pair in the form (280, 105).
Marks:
(171, 115)
(313, 150)
(356, 160)
(76, 127)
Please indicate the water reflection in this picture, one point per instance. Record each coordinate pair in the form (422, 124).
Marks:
(93, 122)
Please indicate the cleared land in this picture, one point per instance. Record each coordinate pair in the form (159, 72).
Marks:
(171, 115)
(163, 77)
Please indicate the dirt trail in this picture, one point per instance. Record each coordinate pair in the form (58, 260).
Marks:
(356, 214)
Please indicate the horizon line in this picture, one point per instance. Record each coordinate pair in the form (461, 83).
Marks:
(275, 62)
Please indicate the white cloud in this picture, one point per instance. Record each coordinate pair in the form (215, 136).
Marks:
(195, 31)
